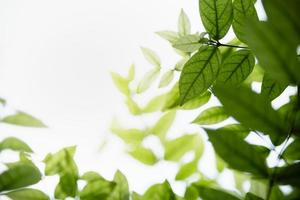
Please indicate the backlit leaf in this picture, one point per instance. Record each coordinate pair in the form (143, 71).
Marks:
(171, 36)
(27, 194)
(272, 88)
(188, 43)
(211, 115)
(147, 80)
(143, 154)
(23, 119)
(166, 78)
(151, 56)
(184, 26)
(14, 144)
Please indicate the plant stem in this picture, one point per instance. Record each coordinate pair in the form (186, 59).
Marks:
(229, 45)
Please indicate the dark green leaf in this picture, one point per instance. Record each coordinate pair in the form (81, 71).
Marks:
(207, 193)
(292, 152)
(242, 11)
(18, 176)
(27, 194)
(23, 119)
(14, 144)
(289, 175)
(253, 111)
(237, 153)
(216, 16)
(199, 73)
(272, 88)
(250, 196)
(237, 67)
(211, 115)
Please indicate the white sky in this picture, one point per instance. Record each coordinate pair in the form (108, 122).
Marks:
(55, 59)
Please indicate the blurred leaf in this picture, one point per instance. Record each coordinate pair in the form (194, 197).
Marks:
(292, 152)
(121, 190)
(97, 189)
(199, 73)
(151, 57)
(220, 164)
(250, 196)
(237, 67)
(243, 10)
(166, 78)
(172, 98)
(207, 193)
(143, 155)
(180, 64)
(23, 119)
(259, 187)
(14, 144)
(131, 73)
(19, 175)
(132, 106)
(216, 16)
(27, 194)
(171, 36)
(256, 75)
(211, 115)
(162, 126)
(272, 88)
(188, 43)
(147, 80)
(184, 26)
(121, 83)
(155, 104)
(2, 101)
(289, 175)
(176, 148)
(253, 111)
(197, 102)
(237, 153)
(187, 170)
(276, 194)
(130, 136)
(159, 192)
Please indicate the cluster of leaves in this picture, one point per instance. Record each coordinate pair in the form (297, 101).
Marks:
(264, 52)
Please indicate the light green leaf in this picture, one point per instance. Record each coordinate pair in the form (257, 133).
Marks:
(187, 170)
(23, 119)
(292, 152)
(159, 192)
(171, 36)
(237, 153)
(197, 102)
(91, 176)
(272, 88)
(199, 73)
(176, 148)
(220, 164)
(130, 136)
(243, 10)
(14, 144)
(132, 106)
(188, 43)
(121, 190)
(147, 80)
(97, 189)
(166, 78)
(67, 186)
(155, 104)
(253, 111)
(27, 194)
(237, 67)
(259, 187)
(121, 83)
(256, 75)
(184, 26)
(131, 73)
(143, 155)
(172, 98)
(211, 115)
(250, 196)
(180, 64)
(19, 175)
(151, 56)
(162, 126)
(216, 16)
(207, 193)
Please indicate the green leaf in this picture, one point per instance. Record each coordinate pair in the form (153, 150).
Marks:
(216, 16)
(121, 190)
(67, 186)
(187, 170)
(97, 189)
(256, 75)
(162, 126)
(27, 194)
(250, 196)
(176, 148)
(292, 152)
(272, 88)
(276, 194)
(19, 175)
(207, 193)
(121, 83)
(237, 153)
(130, 136)
(211, 115)
(131, 73)
(199, 73)
(91, 176)
(184, 26)
(253, 111)
(151, 57)
(196, 102)
(147, 80)
(23, 119)
(14, 144)
(132, 106)
(243, 10)
(237, 67)
(289, 175)
(276, 57)
(2, 101)
(159, 192)
(188, 43)
(155, 104)
(171, 36)
(180, 64)
(166, 78)
(259, 187)
(172, 98)
(143, 155)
